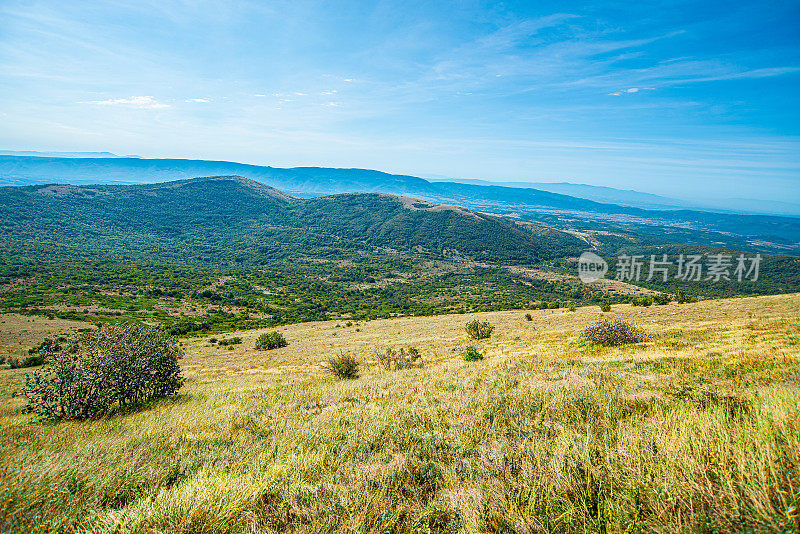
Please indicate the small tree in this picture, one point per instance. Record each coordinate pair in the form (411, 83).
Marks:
(479, 330)
(471, 354)
(343, 366)
(395, 360)
(605, 306)
(114, 366)
(614, 332)
(528, 317)
(270, 340)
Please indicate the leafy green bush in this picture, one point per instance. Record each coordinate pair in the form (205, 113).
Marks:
(614, 332)
(28, 361)
(479, 330)
(343, 366)
(662, 299)
(114, 366)
(471, 354)
(394, 360)
(683, 297)
(645, 301)
(231, 341)
(270, 340)
(528, 317)
(605, 306)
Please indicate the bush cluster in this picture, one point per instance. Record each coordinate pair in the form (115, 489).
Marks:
(605, 306)
(471, 354)
(614, 332)
(270, 340)
(645, 301)
(394, 360)
(115, 366)
(27, 361)
(479, 330)
(343, 366)
(683, 297)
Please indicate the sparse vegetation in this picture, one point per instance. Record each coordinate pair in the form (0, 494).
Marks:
(612, 332)
(695, 431)
(479, 329)
(270, 340)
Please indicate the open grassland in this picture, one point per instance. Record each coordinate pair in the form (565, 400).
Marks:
(695, 430)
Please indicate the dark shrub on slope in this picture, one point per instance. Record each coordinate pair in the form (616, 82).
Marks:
(115, 366)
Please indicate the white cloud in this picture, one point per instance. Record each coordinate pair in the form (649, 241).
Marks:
(259, 95)
(633, 90)
(199, 100)
(143, 102)
(331, 92)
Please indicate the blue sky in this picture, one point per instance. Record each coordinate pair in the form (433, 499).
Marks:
(688, 99)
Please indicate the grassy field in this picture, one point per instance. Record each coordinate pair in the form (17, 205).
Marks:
(694, 430)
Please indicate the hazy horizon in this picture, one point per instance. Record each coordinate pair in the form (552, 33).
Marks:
(694, 102)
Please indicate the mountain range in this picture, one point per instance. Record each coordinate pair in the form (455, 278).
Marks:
(763, 233)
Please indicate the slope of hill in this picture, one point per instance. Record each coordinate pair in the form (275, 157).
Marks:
(770, 234)
(219, 218)
(695, 430)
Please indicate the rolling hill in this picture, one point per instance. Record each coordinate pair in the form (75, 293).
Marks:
(759, 233)
(235, 219)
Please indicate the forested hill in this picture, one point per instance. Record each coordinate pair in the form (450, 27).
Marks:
(754, 232)
(234, 220)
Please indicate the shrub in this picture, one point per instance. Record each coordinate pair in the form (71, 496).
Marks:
(471, 354)
(28, 361)
(605, 306)
(343, 366)
(528, 317)
(479, 330)
(643, 301)
(683, 297)
(572, 307)
(47, 343)
(394, 360)
(270, 340)
(115, 366)
(662, 299)
(614, 332)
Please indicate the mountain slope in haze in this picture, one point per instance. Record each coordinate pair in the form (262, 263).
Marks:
(235, 219)
(755, 232)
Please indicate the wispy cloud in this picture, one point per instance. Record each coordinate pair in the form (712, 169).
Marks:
(142, 102)
(199, 100)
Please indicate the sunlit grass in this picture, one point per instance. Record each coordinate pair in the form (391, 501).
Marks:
(695, 430)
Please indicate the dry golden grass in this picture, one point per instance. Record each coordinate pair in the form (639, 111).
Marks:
(697, 430)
